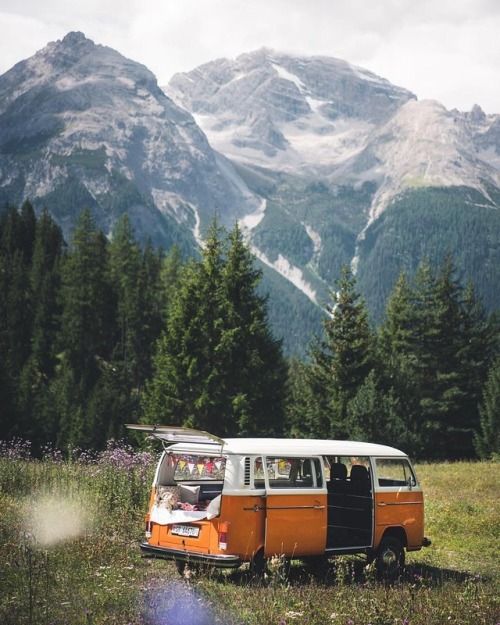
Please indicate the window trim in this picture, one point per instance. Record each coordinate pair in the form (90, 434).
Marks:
(394, 488)
(282, 490)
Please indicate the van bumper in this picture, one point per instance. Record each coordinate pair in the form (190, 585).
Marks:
(219, 561)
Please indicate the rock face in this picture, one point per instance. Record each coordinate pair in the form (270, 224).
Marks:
(82, 125)
(282, 111)
(330, 148)
(321, 162)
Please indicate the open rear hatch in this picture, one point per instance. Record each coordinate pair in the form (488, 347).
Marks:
(171, 434)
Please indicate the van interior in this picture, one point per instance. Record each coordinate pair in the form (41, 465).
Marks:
(350, 503)
(188, 482)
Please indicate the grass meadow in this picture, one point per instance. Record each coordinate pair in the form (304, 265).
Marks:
(69, 534)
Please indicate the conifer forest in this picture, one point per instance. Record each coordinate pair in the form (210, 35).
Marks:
(99, 331)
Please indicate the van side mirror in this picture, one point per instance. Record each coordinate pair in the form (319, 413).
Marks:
(410, 483)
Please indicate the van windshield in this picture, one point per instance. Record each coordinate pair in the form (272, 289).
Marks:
(191, 467)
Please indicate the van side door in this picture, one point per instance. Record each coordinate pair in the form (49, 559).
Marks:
(399, 500)
(296, 511)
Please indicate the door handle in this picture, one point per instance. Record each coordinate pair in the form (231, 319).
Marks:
(381, 503)
(318, 507)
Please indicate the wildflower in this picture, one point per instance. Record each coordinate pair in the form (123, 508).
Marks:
(292, 615)
(15, 449)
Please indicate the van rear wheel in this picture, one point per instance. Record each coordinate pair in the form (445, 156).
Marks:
(187, 568)
(390, 559)
(258, 564)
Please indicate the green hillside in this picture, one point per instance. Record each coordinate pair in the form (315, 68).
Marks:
(432, 223)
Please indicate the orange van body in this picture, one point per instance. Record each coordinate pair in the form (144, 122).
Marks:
(296, 498)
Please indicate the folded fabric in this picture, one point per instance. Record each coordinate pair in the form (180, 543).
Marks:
(163, 516)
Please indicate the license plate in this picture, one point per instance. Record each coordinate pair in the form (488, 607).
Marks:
(185, 530)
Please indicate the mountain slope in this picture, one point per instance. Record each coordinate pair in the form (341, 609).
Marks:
(330, 148)
(82, 125)
(321, 162)
(285, 112)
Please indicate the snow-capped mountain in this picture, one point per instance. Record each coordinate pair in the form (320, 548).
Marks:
(82, 125)
(284, 112)
(323, 116)
(330, 147)
(321, 162)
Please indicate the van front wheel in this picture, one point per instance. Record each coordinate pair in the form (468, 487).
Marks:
(390, 559)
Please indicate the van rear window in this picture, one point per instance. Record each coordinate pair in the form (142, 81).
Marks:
(189, 467)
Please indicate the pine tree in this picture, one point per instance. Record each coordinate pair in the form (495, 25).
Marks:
(300, 413)
(124, 269)
(374, 415)
(476, 355)
(435, 344)
(40, 366)
(186, 387)
(159, 279)
(487, 440)
(397, 363)
(442, 378)
(169, 277)
(86, 338)
(396, 332)
(217, 367)
(248, 348)
(341, 362)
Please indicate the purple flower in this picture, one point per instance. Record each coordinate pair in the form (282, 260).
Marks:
(15, 449)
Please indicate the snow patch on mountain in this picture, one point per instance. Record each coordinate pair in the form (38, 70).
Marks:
(293, 78)
(289, 271)
(315, 238)
(252, 220)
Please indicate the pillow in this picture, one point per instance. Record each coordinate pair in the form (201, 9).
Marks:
(167, 497)
(213, 508)
(189, 494)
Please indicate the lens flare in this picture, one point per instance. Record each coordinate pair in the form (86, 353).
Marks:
(53, 519)
(176, 604)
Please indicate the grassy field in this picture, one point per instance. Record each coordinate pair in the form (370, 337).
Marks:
(69, 555)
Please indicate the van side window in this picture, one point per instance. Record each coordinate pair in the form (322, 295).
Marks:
(293, 472)
(394, 472)
(258, 474)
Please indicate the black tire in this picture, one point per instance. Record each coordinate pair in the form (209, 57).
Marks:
(258, 564)
(317, 566)
(187, 569)
(390, 559)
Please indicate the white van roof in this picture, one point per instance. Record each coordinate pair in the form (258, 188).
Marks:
(288, 447)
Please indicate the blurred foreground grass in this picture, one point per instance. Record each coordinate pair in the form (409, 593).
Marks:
(69, 535)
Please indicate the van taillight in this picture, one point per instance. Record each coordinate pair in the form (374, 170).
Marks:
(223, 535)
(148, 528)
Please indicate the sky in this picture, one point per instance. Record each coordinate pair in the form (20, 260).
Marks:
(447, 50)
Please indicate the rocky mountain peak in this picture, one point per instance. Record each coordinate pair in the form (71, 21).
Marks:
(477, 114)
(286, 111)
(74, 37)
(102, 124)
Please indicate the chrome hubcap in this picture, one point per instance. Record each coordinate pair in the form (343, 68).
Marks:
(389, 558)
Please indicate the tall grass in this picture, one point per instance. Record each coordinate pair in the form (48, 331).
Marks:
(69, 533)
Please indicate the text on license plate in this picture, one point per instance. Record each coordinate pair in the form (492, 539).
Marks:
(185, 530)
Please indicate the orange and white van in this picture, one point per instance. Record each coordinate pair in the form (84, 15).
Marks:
(226, 502)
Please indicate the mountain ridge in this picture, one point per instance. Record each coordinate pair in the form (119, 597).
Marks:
(322, 163)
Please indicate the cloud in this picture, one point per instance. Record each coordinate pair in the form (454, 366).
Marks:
(446, 50)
